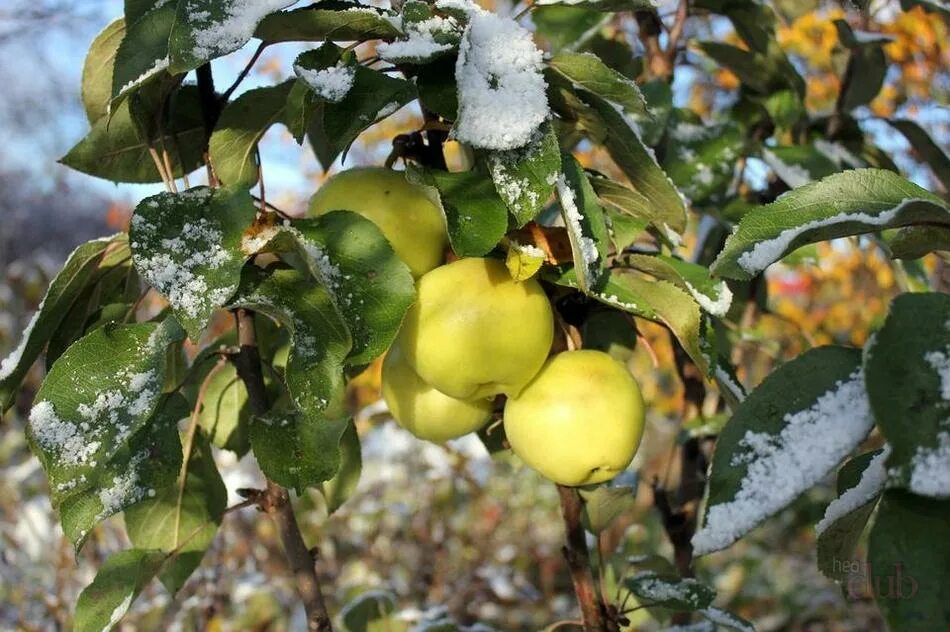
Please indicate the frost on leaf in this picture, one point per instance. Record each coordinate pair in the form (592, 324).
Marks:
(501, 91)
(219, 28)
(779, 467)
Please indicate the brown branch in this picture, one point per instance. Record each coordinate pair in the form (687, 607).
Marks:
(275, 501)
(243, 74)
(578, 561)
(676, 31)
(658, 65)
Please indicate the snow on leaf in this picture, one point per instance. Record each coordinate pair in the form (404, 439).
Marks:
(524, 177)
(502, 99)
(188, 247)
(331, 83)
(848, 203)
(585, 222)
(869, 486)
(784, 438)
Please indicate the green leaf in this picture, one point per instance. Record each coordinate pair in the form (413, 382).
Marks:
(328, 20)
(712, 295)
(188, 247)
(637, 162)
(914, 242)
(82, 269)
(701, 158)
(104, 602)
(567, 27)
(438, 91)
(524, 177)
(752, 70)
(182, 520)
(226, 414)
(97, 70)
(320, 338)
(925, 147)
(848, 515)
(142, 55)
(684, 594)
(800, 422)
(797, 165)
(338, 489)
(908, 567)
(584, 219)
(849, 203)
(476, 217)
(207, 29)
(115, 148)
(603, 505)
(372, 97)
(629, 202)
(366, 609)
(867, 67)
(908, 373)
(233, 145)
(103, 446)
(298, 449)
(371, 286)
(624, 229)
(586, 71)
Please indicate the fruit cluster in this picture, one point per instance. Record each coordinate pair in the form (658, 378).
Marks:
(475, 333)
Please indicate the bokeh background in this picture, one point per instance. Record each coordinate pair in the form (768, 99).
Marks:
(444, 530)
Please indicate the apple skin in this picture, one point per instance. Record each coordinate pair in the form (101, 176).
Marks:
(413, 225)
(424, 411)
(580, 421)
(475, 332)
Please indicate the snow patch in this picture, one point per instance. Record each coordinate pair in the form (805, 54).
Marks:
(232, 30)
(940, 361)
(780, 467)
(716, 306)
(871, 483)
(333, 83)
(573, 216)
(930, 469)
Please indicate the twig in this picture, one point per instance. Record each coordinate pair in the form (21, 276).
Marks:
(190, 442)
(275, 501)
(676, 31)
(578, 560)
(243, 74)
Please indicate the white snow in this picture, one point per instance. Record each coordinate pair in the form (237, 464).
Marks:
(420, 42)
(940, 361)
(723, 617)
(157, 67)
(716, 306)
(588, 248)
(930, 469)
(792, 175)
(869, 37)
(234, 29)
(178, 266)
(724, 379)
(764, 253)
(655, 589)
(118, 613)
(780, 467)
(61, 437)
(10, 363)
(501, 90)
(871, 483)
(333, 83)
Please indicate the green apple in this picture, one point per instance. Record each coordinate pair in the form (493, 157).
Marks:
(475, 332)
(424, 411)
(409, 220)
(579, 421)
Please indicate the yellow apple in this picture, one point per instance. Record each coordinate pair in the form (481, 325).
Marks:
(579, 421)
(424, 411)
(409, 220)
(475, 332)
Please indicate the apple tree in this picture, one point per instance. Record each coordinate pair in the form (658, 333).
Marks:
(471, 276)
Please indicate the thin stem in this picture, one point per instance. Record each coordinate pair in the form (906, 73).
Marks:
(190, 442)
(243, 74)
(160, 167)
(578, 560)
(275, 501)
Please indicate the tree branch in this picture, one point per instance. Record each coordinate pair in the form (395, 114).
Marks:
(578, 562)
(275, 500)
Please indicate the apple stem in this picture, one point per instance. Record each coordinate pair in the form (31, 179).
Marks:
(593, 609)
(275, 500)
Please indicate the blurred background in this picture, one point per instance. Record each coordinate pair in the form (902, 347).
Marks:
(445, 531)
